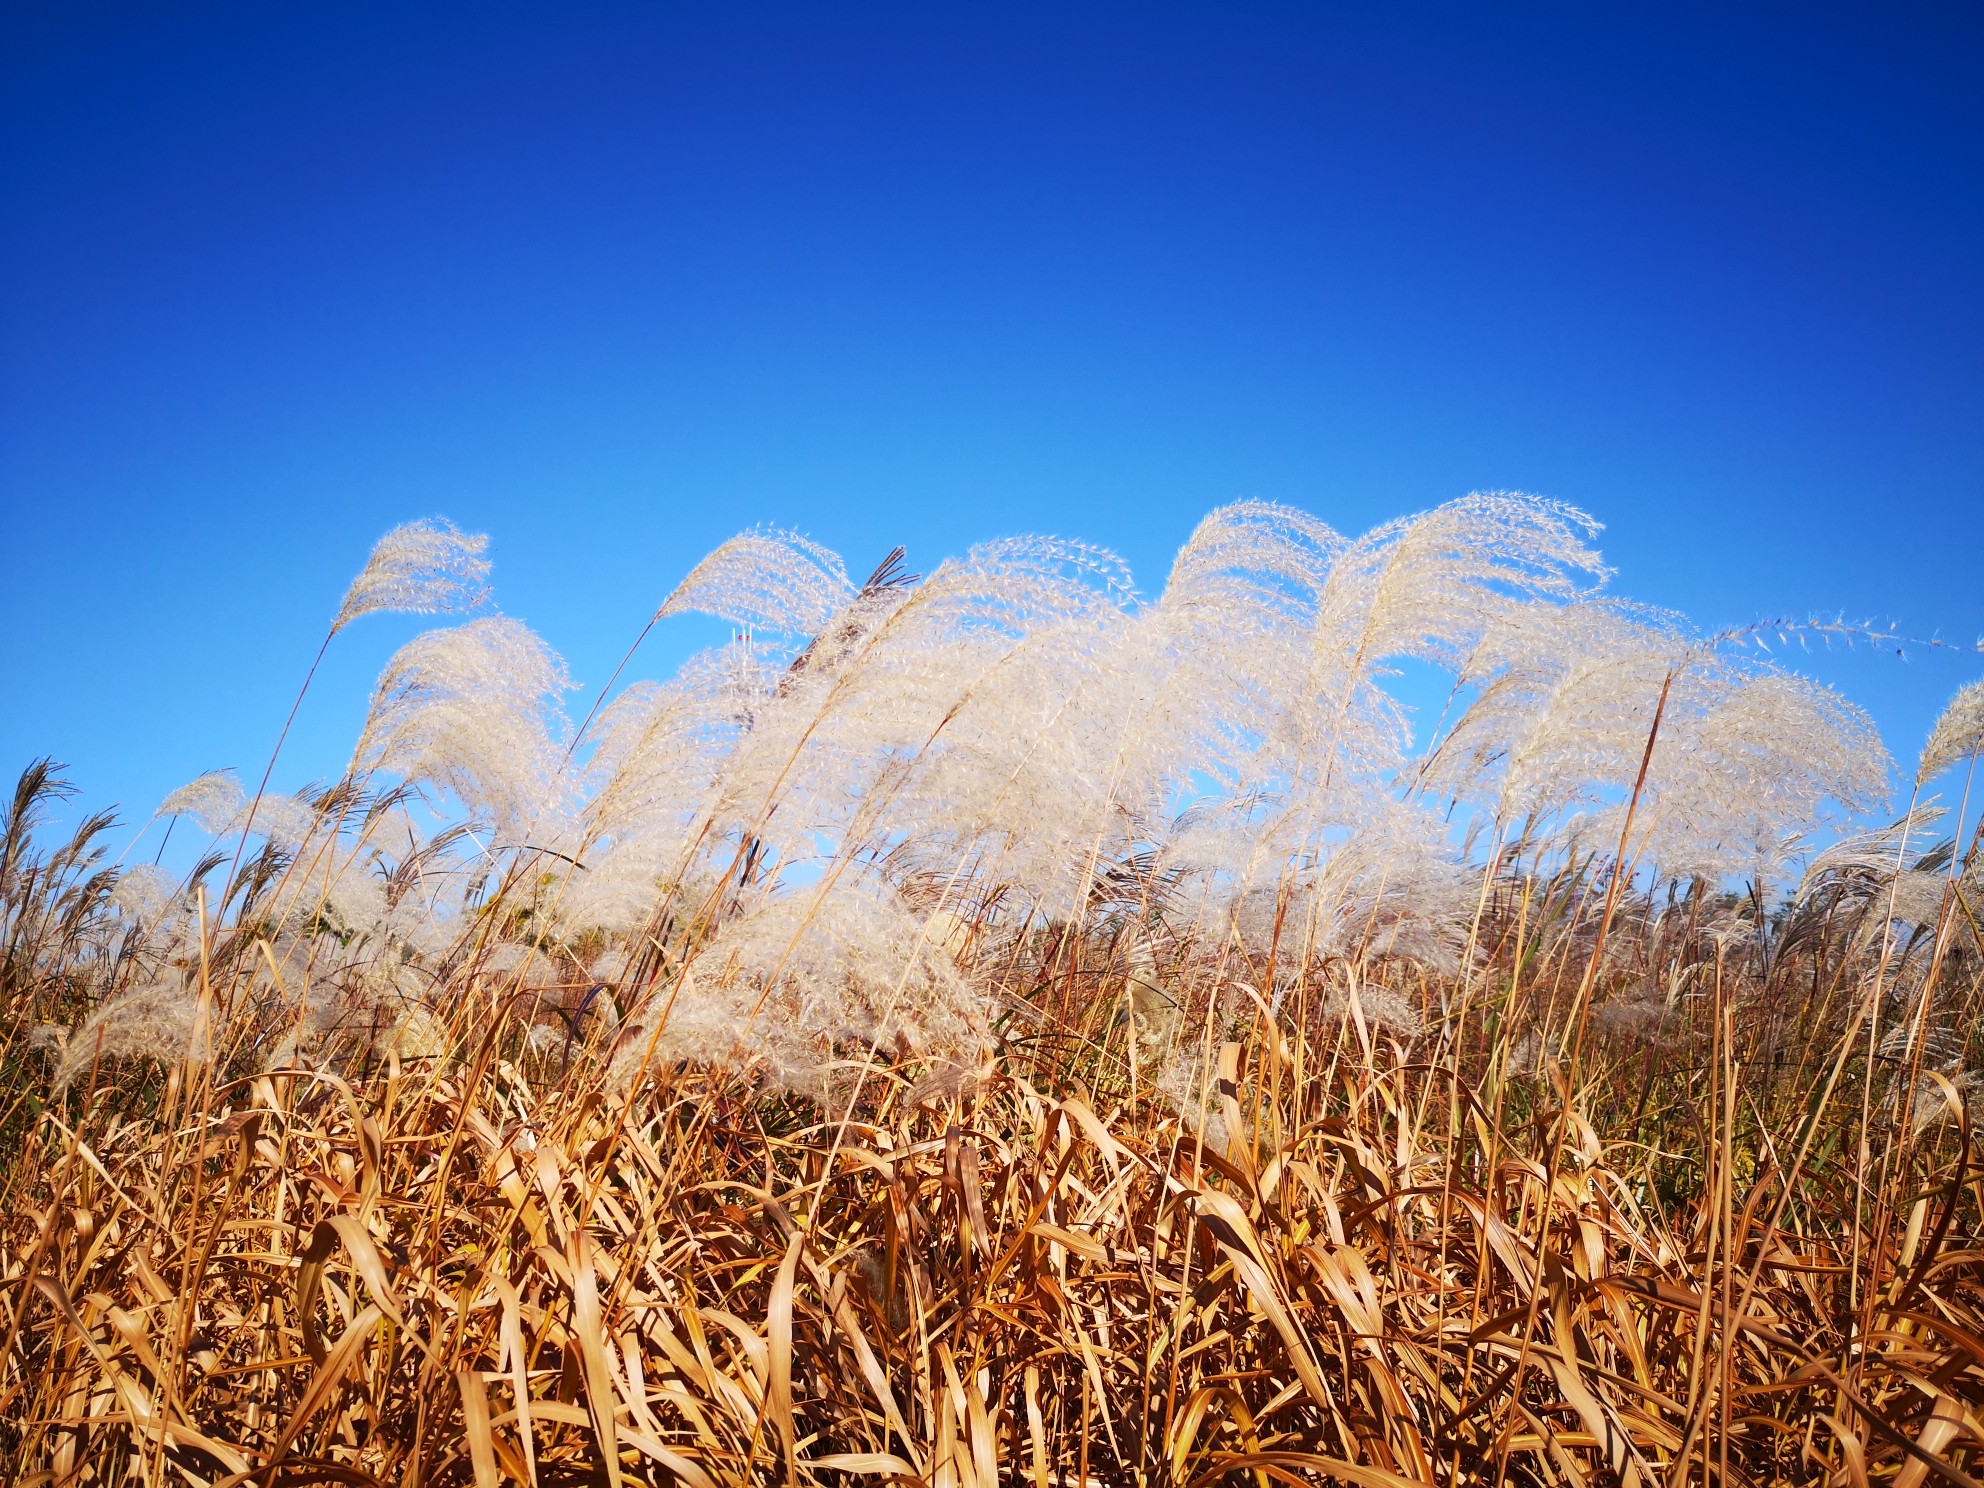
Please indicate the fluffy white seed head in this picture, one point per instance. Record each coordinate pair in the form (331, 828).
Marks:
(428, 567)
(766, 580)
(146, 893)
(830, 971)
(1958, 736)
(214, 800)
(1768, 757)
(1429, 586)
(162, 1022)
(475, 710)
(283, 820)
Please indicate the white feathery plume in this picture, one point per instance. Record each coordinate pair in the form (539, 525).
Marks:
(1747, 759)
(766, 580)
(832, 970)
(953, 679)
(1429, 586)
(1287, 707)
(366, 902)
(851, 963)
(146, 893)
(162, 1021)
(519, 965)
(214, 800)
(1210, 842)
(658, 746)
(1254, 559)
(1391, 887)
(1567, 698)
(1219, 668)
(474, 710)
(1733, 788)
(1231, 632)
(1958, 736)
(354, 898)
(1426, 588)
(283, 820)
(653, 777)
(426, 567)
(1875, 851)
(1919, 897)
(987, 716)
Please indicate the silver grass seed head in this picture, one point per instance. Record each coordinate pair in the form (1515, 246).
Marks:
(474, 709)
(283, 820)
(163, 1022)
(426, 567)
(1917, 898)
(1385, 1011)
(1958, 736)
(1879, 851)
(1429, 586)
(802, 980)
(766, 579)
(146, 893)
(1748, 764)
(1254, 556)
(214, 800)
(658, 748)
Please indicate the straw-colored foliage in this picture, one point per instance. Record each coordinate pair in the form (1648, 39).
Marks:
(994, 1028)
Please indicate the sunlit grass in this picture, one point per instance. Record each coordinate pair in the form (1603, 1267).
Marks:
(1005, 1032)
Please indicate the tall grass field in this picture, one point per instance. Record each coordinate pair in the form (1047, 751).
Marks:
(996, 1026)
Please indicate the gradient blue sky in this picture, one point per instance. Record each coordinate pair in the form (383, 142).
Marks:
(611, 283)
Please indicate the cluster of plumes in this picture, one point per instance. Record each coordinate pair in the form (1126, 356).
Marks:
(332, 933)
(813, 985)
(1897, 893)
(763, 843)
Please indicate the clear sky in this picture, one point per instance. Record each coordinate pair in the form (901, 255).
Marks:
(611, 283)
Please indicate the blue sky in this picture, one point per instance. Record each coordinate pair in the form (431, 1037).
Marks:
(612, 283)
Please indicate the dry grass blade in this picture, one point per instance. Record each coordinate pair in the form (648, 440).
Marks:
(475, 1424)
(779, 1334)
